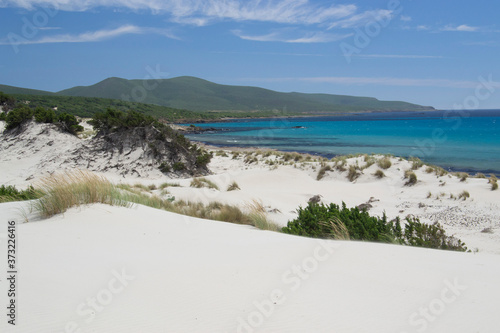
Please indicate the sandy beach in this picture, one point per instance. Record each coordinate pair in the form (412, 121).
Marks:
(103, 268)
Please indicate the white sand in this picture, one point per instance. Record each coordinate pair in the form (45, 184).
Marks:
(191, 275)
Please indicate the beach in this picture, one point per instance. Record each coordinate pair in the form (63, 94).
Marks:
(101, 268)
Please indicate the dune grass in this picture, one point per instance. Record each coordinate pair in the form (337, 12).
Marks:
(203, 182)
(74, 189)
(233, 186)
(384, 163)
(379, 174)
(78, 188)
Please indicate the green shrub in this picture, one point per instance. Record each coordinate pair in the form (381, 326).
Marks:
(320, 221)
(164, 167)
(178, 166)
(3, 116)
(69, 123)
(384, 163)
(17, 116)
(43, 115)
(7, 101)
(11, 193)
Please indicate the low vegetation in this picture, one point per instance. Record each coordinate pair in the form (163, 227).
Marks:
(384, 163)
(321, 221)
(322, 171)
(379, 174)
(412, 178)
(233, 186)
(203, 182)
(79, 188)
(22, 113)
(11, 193)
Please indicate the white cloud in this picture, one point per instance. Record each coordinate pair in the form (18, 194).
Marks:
(398, 56)
(405, 18)
(91, 36)
(422, 27)
(363, 18)
(290, 36)
(200, 12)
(463, 27)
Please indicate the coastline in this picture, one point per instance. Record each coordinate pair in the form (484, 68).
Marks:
(199, 275)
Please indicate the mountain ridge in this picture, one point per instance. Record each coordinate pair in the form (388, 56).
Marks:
(192, 93)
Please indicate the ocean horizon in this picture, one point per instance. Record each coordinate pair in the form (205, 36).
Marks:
(466, 140)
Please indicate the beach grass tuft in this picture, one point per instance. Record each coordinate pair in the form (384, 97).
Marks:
(233, 186)
(384, 163)
(203, 182)
(63, 191)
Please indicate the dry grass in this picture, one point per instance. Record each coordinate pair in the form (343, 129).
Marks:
(79, 188)
(233, 186)
(384, 163)
(464, 195)
(203, 182)
(353, 173)
(412, 178)
(63, 191)
(416, 163)
(322, 171)
(338, 230)
(379, 174)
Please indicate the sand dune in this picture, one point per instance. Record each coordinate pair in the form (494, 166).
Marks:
(114, 269)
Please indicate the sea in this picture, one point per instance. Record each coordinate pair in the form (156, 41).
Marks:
(456, 140)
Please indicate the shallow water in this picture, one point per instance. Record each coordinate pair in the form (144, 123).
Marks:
(456, 140)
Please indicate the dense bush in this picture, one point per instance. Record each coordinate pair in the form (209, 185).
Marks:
(22, 113)
(69, 123)
(114, 120)
(43, 115)
(320, 221)
(17, 116)
(7, 101)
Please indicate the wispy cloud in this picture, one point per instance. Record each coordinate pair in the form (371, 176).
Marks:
(363, 18)
(386, 81)
(200, 12)
(405, 18)
(398, 56)
(482, 43)
(463, 27)
(291, 36)
(92, 36)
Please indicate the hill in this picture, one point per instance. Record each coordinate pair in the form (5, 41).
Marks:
(25, 91)
(200, 95)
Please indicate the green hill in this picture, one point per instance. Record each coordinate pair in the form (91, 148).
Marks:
(24, 91)
(200, 95)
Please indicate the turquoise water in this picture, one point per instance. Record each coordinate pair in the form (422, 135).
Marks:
(456, 140)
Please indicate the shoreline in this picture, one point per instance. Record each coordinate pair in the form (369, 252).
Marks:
(450, 169)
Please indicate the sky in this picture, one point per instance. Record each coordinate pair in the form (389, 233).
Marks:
(439, 53)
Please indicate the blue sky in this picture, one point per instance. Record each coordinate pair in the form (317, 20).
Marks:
(441, 53)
